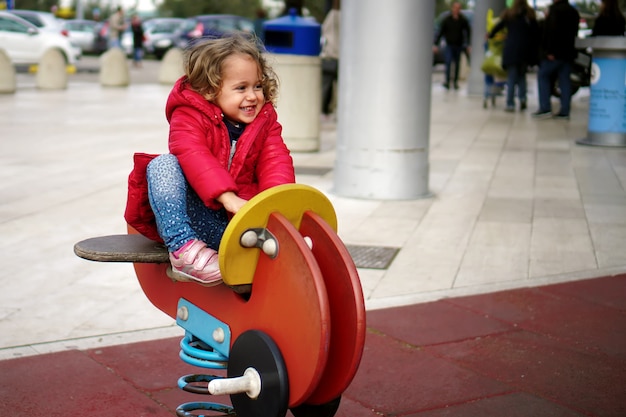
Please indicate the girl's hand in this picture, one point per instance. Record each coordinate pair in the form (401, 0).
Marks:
(231, 202)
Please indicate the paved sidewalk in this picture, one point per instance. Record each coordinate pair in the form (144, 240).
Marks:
(558, 351)
(516, 204)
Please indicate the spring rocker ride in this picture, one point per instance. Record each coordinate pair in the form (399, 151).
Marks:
(288, 326)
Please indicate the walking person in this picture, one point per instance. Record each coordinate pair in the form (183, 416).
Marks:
(138, 35)
(558, 53)
(520, 49)
(455, 29)
(116, 28)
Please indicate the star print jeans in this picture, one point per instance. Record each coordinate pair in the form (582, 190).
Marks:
(179, 212)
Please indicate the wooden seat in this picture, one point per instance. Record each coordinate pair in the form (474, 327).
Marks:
(122, 248)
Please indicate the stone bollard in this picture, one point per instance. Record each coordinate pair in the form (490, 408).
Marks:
(52, 71)
(114, 70)
(171, 67)
(8, 81)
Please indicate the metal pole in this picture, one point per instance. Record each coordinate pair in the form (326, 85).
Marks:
(476, 81)
(383, 116)
(80, 13)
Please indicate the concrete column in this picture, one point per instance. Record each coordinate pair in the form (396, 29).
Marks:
(476, 81)
(383, 115)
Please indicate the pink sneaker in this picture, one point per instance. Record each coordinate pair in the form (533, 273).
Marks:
(196, 262)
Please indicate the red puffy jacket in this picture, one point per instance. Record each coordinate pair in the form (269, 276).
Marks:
(200, 141)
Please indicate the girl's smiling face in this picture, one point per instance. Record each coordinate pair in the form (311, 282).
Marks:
(241, 95)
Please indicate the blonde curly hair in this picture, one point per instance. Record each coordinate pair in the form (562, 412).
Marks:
(204, 64)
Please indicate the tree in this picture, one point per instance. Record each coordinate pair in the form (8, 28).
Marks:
(187, 8)
(40, 5)
(246, 8)
(585, 6)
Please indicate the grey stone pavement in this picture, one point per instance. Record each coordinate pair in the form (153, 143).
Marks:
(515, 203)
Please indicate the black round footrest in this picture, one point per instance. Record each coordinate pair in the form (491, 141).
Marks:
(185, 410)
(255, 349)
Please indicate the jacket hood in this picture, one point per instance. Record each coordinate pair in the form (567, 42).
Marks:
(182, 95)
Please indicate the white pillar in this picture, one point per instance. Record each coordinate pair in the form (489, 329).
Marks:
(476, 81)
(383, 115)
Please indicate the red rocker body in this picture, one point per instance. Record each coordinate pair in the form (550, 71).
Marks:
(295, 338)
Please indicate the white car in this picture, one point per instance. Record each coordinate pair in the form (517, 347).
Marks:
(82, 33)
(43, 20)
(127, 42)
(24, 43)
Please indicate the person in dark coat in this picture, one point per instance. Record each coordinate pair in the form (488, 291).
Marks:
(457, 32)
(137, 29)
(610, 21)
(520, 49)
(559, 51)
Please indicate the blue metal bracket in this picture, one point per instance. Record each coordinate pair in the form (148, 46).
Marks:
(203, 326)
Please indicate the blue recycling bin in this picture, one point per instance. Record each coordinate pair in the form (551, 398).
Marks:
(607, 101)
(293, 44)
(293, 35)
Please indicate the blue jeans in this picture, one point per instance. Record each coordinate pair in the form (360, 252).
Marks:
(452, 54)
(180, 214)
(515, 76)
(137, 54)
(547, 70)
(114, 43)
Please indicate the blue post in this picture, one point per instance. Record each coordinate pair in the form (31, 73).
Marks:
(607, 103)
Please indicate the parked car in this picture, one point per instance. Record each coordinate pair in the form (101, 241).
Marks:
(43, 20)
(26, 44)
(127, 41)
(101, 41)
(82, 33)
(438, 57)
(161, 35)
(212, 26)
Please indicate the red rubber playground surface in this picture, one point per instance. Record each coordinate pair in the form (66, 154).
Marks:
(558, 351)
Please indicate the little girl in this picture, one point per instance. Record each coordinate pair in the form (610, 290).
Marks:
(226, 147)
